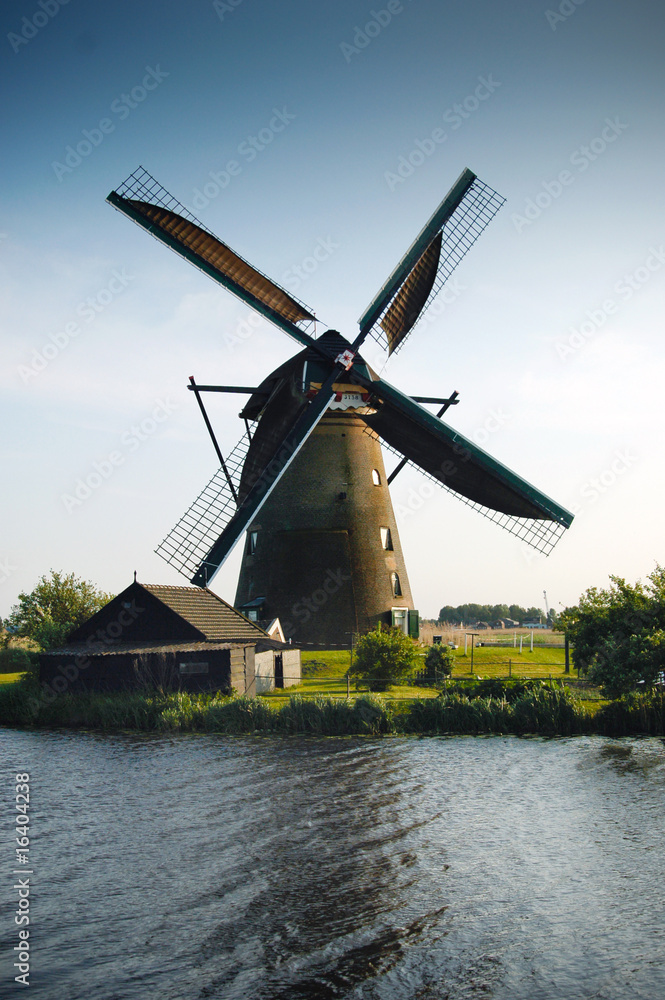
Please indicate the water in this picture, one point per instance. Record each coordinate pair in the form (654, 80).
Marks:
(415, 869)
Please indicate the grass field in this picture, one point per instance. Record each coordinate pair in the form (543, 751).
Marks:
(324, 672)
(9, 678)
(500, 661)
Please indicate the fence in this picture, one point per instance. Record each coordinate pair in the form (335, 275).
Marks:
(317, 686)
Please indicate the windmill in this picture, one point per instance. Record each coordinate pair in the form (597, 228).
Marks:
(306, 484)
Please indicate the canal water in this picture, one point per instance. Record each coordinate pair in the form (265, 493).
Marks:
(194, 867)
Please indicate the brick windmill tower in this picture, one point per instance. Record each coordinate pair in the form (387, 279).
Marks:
(306, 487)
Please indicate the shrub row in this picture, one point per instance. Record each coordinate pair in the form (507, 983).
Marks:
(527, 707)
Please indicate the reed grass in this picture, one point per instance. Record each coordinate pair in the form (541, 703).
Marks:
(487, 707)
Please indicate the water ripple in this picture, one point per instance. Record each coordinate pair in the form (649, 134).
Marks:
(195, 867)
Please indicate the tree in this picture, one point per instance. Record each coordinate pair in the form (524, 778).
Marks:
(383, 657)
(57, 605)
(618, 634)
(440, 660)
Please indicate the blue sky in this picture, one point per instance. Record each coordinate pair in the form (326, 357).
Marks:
(551, 335)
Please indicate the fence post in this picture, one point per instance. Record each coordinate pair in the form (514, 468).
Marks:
(567, 648)
(510, 668)
(348, 687)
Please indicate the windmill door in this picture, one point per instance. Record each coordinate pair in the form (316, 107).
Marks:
(279, 671)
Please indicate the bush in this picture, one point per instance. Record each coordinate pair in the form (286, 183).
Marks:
(383, 657)
(17, 660)
(618, 634)
(440, 661)
(634, 714)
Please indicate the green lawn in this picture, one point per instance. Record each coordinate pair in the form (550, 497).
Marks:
(499, 661)
(324, 671)
(9, 678)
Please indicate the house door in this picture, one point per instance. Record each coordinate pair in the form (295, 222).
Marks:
(279, 671)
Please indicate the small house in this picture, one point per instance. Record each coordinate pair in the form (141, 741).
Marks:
(173, 638)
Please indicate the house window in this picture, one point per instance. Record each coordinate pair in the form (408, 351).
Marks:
(376, 477)
(253, 614)
(193, 668)
(386, 538)
(397, 588)
(252, 537)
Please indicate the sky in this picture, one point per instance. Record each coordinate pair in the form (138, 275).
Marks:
(305, 128)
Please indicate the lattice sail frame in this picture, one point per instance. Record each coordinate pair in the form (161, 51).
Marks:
(460, 231)
(541, 535)
(189, 541)
(142, 186)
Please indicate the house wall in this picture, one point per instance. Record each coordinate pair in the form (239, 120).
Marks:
(292, 667)
(243, 680)
(264, 667)
(129, 672)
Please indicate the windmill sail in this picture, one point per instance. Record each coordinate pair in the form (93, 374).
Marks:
(409, 291)
(464, 469)
(147, 203)
(187, 544)
(410, 301)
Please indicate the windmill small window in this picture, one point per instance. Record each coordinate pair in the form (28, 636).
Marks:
(386, 539)
(397, 587)
(376, 477)
(251, 542)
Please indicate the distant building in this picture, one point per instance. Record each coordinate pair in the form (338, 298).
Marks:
(174, 638)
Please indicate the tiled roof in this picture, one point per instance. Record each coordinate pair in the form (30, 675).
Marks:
(212, 616)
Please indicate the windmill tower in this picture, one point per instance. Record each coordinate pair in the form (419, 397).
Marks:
(306, 486)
